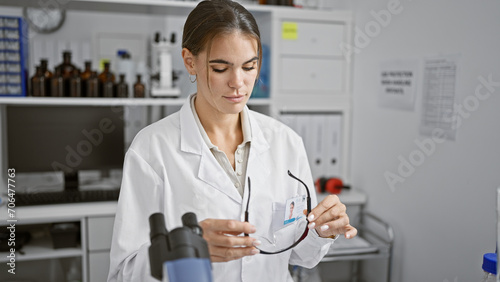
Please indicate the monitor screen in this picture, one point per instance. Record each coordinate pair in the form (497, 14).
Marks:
(64, 138)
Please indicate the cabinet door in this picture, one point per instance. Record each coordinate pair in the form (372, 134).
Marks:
(298, 74)
(100, 232)
(314, 38)
(98, 266)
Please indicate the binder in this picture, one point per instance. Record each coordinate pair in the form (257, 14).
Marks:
(322, 135)
(316, 146)
(332, 145)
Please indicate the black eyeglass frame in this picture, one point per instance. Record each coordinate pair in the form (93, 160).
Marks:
(306, 231)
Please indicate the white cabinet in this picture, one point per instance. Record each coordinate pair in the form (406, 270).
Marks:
(313, 38)
(311, 74)
(90, 256)
(306, 75)
(98, 266)
(99, 235)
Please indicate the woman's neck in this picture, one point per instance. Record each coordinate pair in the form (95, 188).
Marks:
(215, 122)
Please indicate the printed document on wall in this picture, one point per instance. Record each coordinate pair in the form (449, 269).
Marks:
(438, 97)
(398, 84)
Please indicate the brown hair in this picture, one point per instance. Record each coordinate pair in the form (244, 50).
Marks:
(213, 17)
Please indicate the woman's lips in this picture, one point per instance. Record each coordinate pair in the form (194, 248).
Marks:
(235, 99)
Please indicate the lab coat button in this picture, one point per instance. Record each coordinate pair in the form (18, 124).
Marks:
(240, 160)
(237, 185)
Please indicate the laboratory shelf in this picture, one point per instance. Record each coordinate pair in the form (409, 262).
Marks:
(160, 7)
(59, 212)
(54, 101)
(70, 101)
(41, 249)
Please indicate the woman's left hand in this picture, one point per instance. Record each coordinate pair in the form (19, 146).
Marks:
(329, 218)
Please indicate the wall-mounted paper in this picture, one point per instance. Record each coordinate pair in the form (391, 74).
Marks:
(438, 97)
(398, 79)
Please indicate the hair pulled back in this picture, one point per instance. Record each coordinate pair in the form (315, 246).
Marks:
(214, 17)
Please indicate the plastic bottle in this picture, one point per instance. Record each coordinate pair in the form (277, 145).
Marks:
(489, 267)
(125, 65)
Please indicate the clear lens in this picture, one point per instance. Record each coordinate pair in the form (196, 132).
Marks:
(283, 237)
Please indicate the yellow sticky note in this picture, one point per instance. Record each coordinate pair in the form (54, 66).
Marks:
(289, 31)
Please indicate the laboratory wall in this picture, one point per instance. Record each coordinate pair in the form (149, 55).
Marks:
(439, 194)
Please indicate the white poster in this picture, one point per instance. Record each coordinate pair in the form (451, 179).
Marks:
(398, 79)
(438, 97)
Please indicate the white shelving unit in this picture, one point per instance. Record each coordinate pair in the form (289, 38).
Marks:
(40, 249)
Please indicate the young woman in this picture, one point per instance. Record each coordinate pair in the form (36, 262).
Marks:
(200, 159)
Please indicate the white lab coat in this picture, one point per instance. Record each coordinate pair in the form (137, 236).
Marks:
(169, 169)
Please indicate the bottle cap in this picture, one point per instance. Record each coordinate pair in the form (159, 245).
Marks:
(490, 263)
(122, 53)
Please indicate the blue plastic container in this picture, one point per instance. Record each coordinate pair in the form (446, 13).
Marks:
(188, 270)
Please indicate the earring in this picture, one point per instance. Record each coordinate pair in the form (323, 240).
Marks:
(192, 80)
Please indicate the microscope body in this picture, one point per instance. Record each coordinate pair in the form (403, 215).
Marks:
(163, 78)
(180, 255)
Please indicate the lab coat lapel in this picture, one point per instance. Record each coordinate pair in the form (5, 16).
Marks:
(209, 170)
(259, 163)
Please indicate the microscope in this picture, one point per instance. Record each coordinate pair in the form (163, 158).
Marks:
(162, 80)
(180, 255)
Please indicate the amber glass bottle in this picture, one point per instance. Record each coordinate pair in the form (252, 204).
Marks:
(57, 85)
(108, 88)
(92, 85)
(107, 81)
(75, 84)
(87, 71)
(66, 68)
(106, 74)
(85, 75)
(122, 87)
(139, 89)
(44, 64)
(38, 86)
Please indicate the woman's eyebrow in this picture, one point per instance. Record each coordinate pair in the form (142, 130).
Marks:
(220, 61)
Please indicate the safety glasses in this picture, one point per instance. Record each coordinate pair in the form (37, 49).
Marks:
(301, 224)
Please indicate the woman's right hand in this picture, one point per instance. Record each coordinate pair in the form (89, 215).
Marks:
(224, 244)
